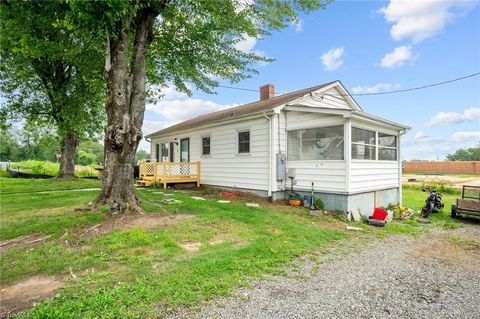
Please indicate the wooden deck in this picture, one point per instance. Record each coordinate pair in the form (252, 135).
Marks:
(169, 172)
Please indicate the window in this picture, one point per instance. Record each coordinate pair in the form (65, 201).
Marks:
(363, 144)
(387, 147)
(165, 147)
(323, 143)
(244, 142)
(206, 145)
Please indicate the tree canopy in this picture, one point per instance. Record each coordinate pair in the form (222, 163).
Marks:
(50, 74)
(162, 42)
(471, 154)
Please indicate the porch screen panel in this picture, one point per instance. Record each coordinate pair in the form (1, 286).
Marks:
(322, 143)
(363, 144)
(387, 147)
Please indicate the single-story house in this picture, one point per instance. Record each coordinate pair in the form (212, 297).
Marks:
(317, 135)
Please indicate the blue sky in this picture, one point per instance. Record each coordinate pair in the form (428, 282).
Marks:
(370, 46)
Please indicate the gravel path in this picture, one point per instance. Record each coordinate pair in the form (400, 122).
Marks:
(400, 277)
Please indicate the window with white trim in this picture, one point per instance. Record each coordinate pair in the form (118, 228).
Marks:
(363, 144)
(244, 142)
(387, 147)
(206, 145)
(321, 143)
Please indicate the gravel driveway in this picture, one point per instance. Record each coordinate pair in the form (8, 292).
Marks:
(401, 277)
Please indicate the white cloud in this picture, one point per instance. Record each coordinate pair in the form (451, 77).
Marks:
(175, 106)
(381, 87)
(421, 137)
(398, 57)
(420, 20)
(298, 25)
(182, 109)
(464, 136)
(332, 59)
(246, 44)
(469, 114)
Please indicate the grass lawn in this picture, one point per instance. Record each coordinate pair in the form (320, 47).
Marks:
(200, 249)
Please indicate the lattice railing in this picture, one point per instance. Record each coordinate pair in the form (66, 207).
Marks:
(170, 172)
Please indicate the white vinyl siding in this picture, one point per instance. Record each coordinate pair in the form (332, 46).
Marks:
(327, 176)
(224, 167)
(372, 175)
(331, 98)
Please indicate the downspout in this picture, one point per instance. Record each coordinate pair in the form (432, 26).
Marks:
(149, 141)
(399, 147)
(269, 192)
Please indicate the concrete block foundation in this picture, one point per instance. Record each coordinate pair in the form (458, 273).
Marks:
(364, 203)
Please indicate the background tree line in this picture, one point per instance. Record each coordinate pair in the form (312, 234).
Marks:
(470, 154)
(32, 143)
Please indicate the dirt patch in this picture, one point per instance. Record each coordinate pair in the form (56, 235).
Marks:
(191, 246)
(24, 294)
(442, 249)
(216, 241)
(145, 221)
(23, 242)
(275, 230)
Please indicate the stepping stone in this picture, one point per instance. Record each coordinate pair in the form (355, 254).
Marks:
(252, 204)
(221, 201)
(167, 194)
(157, 192)
(197, 198)
(172, 201)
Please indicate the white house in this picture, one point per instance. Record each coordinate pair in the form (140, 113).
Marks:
(318, 135)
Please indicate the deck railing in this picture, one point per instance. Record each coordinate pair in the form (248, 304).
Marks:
(169, 172)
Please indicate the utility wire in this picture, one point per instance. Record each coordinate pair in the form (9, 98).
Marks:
(420, 87)
(376, 93)
(237, 88)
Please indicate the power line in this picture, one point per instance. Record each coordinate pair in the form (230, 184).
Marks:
(420, 87)
(236, 88)
(376, 93)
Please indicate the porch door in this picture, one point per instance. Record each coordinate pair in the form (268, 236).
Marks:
(185, 150)
(171, 149)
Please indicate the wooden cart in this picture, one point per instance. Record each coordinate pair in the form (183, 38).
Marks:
(469, 204)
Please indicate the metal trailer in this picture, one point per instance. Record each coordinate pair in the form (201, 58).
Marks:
(469, 204)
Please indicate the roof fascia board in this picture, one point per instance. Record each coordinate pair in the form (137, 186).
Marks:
(375, 119)
(217, 123)
(348, 114)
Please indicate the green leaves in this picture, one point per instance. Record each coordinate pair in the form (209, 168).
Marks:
(50, 73)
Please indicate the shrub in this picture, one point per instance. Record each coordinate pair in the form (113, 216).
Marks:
(318, 204)
(440, 185)
(86, 158)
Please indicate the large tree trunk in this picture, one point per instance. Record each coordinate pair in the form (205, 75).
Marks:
(67, 161)
(125, 108)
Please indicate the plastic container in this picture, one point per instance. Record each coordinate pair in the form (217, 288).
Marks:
(295, 202)
(307, 201)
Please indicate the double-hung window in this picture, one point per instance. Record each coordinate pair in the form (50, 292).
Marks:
(206, 145)
(363, 144)
(244, 142)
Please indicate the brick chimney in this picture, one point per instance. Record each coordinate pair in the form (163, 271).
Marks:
(267, 91)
